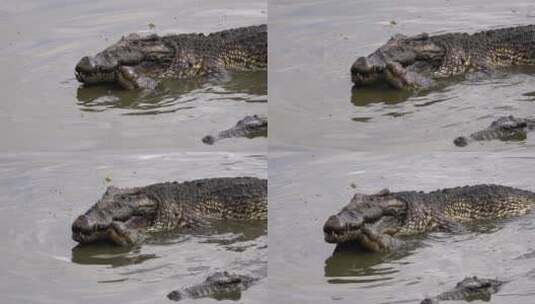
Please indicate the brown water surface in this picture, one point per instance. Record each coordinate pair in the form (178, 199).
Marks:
(312, 103)
(63, 144)
(308, 186)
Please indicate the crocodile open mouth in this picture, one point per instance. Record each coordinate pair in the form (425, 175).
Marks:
(370, 76)
(342, 228)
(82, 236)
(122, 233)
(371, 234)
(341, 236)
(366, 71)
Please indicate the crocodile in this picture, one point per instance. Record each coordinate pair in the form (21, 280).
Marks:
(504, 128)
(128, 216)
(378, 222)
(249, 126)
(469, 289)
(420, 61)
(141, 61)
(219, 285)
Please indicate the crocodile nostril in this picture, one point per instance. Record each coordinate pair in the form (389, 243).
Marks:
(86, 64)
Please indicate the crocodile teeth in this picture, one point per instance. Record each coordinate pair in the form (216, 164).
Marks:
(96, 77)
(339, 236)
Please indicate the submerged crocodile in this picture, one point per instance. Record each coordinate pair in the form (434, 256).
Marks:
(138, 61)
(419, 61)
(220, 285)
(127, 216)
(504, 128)
(249, 126)
(376, 222)
(469, 289)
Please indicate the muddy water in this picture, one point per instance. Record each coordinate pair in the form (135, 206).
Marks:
(308, 186)
(63, 144)
(42, 193)
(328, 141)
(44, 108)
(313, 45)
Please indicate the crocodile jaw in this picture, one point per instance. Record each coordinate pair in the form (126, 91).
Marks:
(128, 233)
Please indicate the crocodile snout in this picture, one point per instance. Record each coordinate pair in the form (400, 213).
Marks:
(343, 221)
(87, 228)
(83, 223)
(91, 70)
(367, 70)
(87, 224)
(86, 64)
(333, 223)
(340, 228)
(360, 65)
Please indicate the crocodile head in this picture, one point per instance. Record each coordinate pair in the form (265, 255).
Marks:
(120, 216)
(403, 62)
(129, 62)
(469, 289)
(372, 221)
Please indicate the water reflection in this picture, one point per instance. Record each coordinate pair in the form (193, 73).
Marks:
(108, 254)
(381, 93)
(171, 95)
(232, 236)
(349, 263)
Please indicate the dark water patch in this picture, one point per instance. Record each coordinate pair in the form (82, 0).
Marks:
(359, 281)
(158, 111)
(351, 260)
(113, 281)
(397, 114)
(361, 119)
(107, 254)
(450, 125)
(530, 97)
(434, 101)
(384, 94)
(529, 94)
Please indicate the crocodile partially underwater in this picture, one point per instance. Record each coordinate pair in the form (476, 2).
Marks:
(469, 289)
(138, 61)
(250, 127)
(128, 216)
(376, 222)
(420, 61)
(504, 128)
(220, 286)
